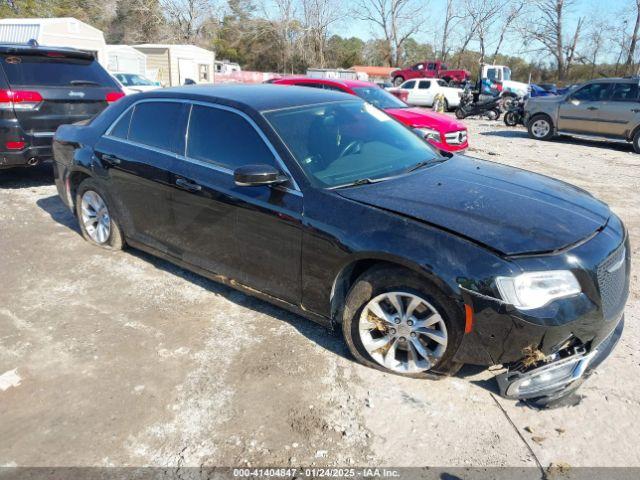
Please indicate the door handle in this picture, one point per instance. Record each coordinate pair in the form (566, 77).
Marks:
(111, 159)
(187, 185)
(592, 108)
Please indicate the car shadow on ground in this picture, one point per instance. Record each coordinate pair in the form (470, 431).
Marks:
(564, 139)
(26, 177)
(327, 339)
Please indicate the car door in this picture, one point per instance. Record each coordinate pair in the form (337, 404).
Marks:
(409, 88)
(621, 112)
(417, 70)
(424, 93)
(250, 234)
(580, 112)
(137, 153)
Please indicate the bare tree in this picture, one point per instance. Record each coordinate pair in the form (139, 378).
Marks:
(483, 14)
(318, 16)
(451, 19)
(515, 9)
(398, 20)
(548, 29)
(628, 65)
(187, 17)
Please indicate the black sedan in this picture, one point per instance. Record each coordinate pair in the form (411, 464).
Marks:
(322, 204)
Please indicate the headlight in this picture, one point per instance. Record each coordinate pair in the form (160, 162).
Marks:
(428, 134)
(536, 289)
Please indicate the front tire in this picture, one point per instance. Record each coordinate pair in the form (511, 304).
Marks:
(397, 81)
(636, 141)
(97, 223)
(540, 127)
(397, 322)
(460, 114)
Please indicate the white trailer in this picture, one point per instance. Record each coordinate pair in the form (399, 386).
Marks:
(174, 65)
(55, 32)
(126, 59)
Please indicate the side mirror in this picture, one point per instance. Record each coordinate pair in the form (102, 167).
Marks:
(258, 175)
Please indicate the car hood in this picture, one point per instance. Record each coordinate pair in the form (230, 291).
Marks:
(421, 117)
(509, 210)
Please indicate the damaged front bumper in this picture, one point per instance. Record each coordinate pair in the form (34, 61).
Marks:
(557, 378)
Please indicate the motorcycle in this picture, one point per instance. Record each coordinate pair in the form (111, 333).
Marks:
(470, 107)
(515, 113)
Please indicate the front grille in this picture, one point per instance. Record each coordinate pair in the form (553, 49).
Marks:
(456, 138)
(612, 281)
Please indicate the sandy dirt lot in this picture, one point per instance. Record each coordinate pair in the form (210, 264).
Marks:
(123, 359)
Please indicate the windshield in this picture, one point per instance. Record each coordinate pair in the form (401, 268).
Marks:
(133, 80)
(340, 143)
(379, 98)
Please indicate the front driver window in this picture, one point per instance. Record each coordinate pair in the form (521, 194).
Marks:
(594, 92)
(424, 85)
(408, 85)
(226, 139)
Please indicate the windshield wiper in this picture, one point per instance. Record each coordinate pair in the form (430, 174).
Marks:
(361, 181)
(84, 82)
(418, 165)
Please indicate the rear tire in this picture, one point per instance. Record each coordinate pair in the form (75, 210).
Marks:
(636, 141)
(446, 105)
(460, 114)
(540, 127)
(392, 341)
(97, 222)
(397, 81)
(511, 119)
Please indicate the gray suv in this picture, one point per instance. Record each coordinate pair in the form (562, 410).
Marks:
(606, 108)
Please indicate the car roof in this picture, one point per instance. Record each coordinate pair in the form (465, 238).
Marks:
(21, 48)
(259, 97)
(349, 83)
(613, 79)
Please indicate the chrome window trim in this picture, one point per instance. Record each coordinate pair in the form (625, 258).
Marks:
(295, 190)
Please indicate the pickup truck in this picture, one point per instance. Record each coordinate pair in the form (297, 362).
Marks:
(433, 69)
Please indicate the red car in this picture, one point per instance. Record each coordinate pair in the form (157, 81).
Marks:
(442, 131)
(431, 70)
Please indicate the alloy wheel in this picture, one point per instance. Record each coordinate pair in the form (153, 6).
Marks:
(403, 332)
(540, 128)
(95, 217)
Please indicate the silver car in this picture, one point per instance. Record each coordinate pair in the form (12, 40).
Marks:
(607, 108)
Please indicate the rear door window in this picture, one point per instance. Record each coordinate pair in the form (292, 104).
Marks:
(594, 92)
(225, 139)
(625, 92)
(43, 70)
(155, 124)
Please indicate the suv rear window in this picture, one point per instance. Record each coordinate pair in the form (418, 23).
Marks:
(43, 70)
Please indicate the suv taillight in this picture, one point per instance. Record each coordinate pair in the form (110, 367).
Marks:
(113, 96)
(19, 99)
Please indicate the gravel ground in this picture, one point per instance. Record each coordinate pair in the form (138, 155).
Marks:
(122, 359)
